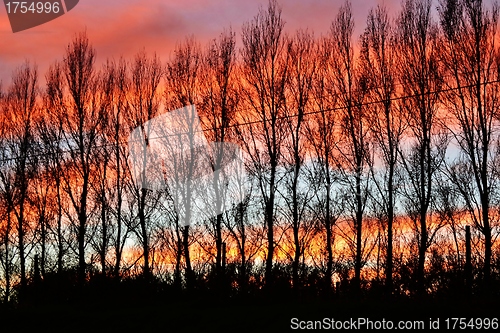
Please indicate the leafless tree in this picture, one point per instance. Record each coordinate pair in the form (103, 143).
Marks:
(102, 189)
(80, 115)
(21, 112)
(116, 134)
(351, 85)
(323, 136)
(6, 228)
(182, 89)
(143, 100)
(218, 110)
(421, 80)
(302, 66)
(387, 124)
(471, 58)
(264, 74)
(50, 135)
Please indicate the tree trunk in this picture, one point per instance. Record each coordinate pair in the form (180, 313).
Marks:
(359, 229)
(144, 233)
(270, 235)
(187, 257)
(422, 249)
(390, 221)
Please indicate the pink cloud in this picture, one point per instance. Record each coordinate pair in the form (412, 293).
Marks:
(118, 28)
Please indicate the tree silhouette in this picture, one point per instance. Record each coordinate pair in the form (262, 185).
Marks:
(378, 60)
(421, 77)
(351, 85)
(470, 58)
(265, 72)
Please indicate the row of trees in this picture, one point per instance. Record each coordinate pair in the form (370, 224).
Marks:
(366, 158)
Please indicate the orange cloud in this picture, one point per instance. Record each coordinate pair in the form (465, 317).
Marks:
(118, 28)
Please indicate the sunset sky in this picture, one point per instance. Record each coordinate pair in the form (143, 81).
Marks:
(322, 169)
(123, 27)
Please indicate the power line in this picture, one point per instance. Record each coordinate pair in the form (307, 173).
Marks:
(283, 117)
